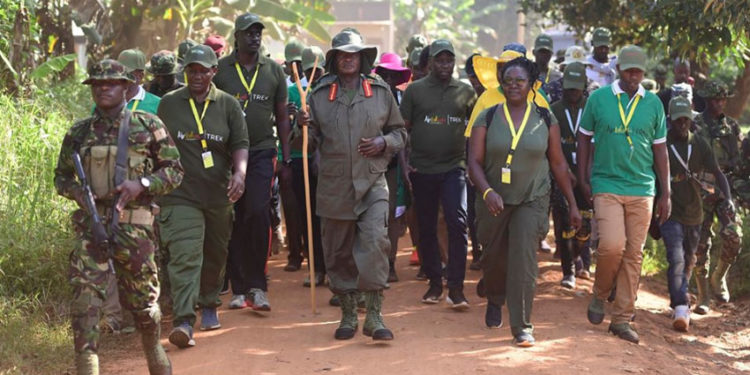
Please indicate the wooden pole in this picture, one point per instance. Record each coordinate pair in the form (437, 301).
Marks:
(306, 173)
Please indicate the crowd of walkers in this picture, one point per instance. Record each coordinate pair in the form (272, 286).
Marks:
(214, 159)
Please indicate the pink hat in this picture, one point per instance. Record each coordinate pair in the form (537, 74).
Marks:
(393, 62)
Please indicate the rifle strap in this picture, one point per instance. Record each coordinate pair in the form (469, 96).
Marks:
(121, 159)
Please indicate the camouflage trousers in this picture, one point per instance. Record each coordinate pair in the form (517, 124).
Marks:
(137, 281)
(730, 233)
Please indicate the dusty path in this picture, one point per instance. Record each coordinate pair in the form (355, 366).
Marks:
(435, 340)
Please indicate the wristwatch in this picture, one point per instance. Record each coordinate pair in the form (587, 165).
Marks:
(287, 162)
(145, 182)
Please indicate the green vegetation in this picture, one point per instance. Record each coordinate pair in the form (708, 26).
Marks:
(35, 235)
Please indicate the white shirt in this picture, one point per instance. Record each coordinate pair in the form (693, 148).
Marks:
(601, 73)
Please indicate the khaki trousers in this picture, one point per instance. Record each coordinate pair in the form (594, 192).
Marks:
(622, 225)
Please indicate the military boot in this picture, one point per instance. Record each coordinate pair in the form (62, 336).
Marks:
(87, 363)
(704, 299)
(719, 281)
(349, 321)
(156, 357)
(374, 325)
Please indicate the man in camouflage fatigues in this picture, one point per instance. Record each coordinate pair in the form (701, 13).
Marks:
(154, 169)
(723, 135)
(164, 68)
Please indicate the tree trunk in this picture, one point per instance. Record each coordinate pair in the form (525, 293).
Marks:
(736, 104)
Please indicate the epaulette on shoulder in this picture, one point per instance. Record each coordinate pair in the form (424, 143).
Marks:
(324, 81)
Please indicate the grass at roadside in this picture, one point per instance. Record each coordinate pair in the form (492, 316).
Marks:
(35, 238)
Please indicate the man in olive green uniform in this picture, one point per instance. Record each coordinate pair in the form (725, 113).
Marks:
(164, 68)
(357, 127)
(138, 99)
(724, 136)
(259, 84)
(543, 49)
(153, 169)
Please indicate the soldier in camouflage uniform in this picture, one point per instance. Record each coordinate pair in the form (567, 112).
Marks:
(164, 68)
(723, 135)
(154, 169)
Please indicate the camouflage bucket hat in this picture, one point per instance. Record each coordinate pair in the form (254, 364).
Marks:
(163, 63)
(351, 42)
(107, 69)
(714, 89)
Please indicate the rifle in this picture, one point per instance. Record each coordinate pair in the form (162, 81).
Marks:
(101, 239)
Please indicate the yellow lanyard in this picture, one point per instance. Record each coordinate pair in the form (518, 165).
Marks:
(135, 105)
(516, 135)
(244, 82)
(199, 120)
(626, 121)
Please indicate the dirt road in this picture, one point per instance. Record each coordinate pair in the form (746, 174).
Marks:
(432, 339)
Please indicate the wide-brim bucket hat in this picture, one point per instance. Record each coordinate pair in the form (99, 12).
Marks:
(393, 62)
(486, 67)
(351, 42)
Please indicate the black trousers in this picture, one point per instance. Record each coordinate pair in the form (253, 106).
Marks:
(250, 244)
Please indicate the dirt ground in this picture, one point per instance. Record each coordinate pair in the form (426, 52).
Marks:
(432, 339)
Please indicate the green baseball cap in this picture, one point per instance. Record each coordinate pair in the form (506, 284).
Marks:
(714, 89)
(163, 63)
(679, 106)
(201, 54)
(631, 57)
(107, 69)
(601, 37)
(293, 50)
(132, 59)
(416, 41)
(183, 47)
(244, 21)
(441, 45)
(574, 76)
(308, 58)
(543, 41)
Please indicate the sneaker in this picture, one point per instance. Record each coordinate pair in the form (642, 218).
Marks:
(238, 301)
(293, 266)
(584, 274)
(320, 279)
(702, 309)
(182, 336)
(544, 247)
(457, 300)
(595, 311)
(209, 319)
(524, 340)
(433, 294)
(681, 320)
(414, 259)
(493, 316)
(421, 276)
(625, 332)
(258, 300)
(568, 282)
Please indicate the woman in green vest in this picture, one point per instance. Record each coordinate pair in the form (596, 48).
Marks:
(512, 149)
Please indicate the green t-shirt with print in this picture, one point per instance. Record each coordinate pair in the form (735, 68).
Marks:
(438, 114)
(618, 168)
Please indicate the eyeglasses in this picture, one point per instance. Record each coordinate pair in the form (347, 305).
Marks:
(516, 81)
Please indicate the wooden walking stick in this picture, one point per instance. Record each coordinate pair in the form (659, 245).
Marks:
(306, 173)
